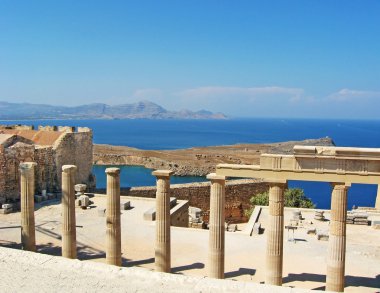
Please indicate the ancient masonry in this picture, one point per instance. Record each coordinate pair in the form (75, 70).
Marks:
(50, 147)
(340, 166)
(337, 165)
(238, 192)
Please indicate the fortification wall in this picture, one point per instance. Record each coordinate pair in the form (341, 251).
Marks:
(238, 193)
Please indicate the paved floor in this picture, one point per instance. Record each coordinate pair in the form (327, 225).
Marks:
(304, 260)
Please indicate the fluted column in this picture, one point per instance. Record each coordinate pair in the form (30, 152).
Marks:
(337, 239)
(28, 233)
(377, 204)
(113, 253)
(275, 233)
(69, 243)
(162, 248)
(217, 227)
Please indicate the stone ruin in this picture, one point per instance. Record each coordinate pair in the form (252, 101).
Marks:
(50, 147)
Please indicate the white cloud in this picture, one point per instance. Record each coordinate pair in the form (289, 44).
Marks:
(251, 93)
(349, 95)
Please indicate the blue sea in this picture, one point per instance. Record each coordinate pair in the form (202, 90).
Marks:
(174, 134)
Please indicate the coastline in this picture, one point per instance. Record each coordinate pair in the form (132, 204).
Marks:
(195, 161)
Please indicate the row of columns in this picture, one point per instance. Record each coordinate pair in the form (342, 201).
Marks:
(216, 255)
(275, 233)
(69, 243)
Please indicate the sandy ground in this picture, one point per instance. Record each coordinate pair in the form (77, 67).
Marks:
(304, 259)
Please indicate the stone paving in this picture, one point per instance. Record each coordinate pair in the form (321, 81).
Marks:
(304, 259)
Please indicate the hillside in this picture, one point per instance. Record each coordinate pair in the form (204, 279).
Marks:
(139, 110)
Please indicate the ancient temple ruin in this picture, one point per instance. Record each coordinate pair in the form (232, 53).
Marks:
(50, 147)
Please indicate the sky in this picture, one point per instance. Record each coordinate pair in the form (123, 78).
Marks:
(294, 59)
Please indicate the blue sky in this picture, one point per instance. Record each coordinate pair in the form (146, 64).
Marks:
(243, 58)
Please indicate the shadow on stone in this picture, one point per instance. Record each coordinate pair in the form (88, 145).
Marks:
(136, 263)
(350, 281)
(240, 272)
(196, 265)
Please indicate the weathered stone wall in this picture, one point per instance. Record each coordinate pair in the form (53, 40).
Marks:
(46, 173)
(75, 148)
(11, 158)
(238, 193)
(70, 148)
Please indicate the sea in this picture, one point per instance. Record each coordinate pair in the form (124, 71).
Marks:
(177, 134)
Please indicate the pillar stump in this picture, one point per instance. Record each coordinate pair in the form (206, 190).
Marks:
(275, 233)
(69, 243)
(162, 248)
(217, 227)
(337, 238)
(113, 251)
(28, 233)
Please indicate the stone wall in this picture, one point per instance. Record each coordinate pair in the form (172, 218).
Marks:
(238, 193)
(75, 148)
(69, 148)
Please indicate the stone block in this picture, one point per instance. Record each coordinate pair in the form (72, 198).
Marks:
(51, 196)
(7, 206)
(80, 188)
(125, 205)
(195, 212)
(84, 201)
(101, 212)
(150, 215)
(5, 211)
(38, 198)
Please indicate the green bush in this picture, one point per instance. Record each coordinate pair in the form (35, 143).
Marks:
(293, 197)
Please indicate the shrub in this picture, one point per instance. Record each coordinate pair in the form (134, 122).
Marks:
(293, 197)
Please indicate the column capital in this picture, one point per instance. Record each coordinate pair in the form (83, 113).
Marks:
(113, 171)
(69, 168)
(162, 173)
(341, 185)
(272, 181)
(215, 177)
(26, 166)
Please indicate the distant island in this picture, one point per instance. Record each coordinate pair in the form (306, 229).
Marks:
(139, 110)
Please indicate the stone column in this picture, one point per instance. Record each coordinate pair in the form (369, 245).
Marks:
(162, 249)
(69, 242)
(28, 233)
(217, 227)
(377, 204)
(113, 253)
(275, 233)
(337, 238)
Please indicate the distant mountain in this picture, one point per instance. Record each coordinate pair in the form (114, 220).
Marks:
(143, 109)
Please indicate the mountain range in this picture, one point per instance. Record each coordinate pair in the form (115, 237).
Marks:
(139, 110)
